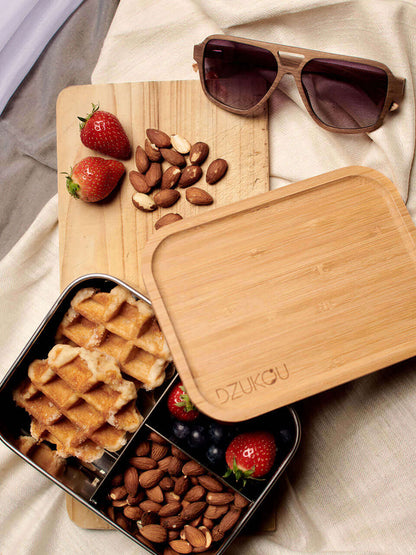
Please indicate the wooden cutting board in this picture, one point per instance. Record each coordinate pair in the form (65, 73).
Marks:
(110, 236)
(282, 296)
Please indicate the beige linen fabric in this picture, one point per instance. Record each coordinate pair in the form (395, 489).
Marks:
(351, 487)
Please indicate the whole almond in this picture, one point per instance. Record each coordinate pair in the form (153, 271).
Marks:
(175, 466)
(142, 160)
(173, 157)
(143, 202)
(207, 522)
(152, 151)
(181, 546)
(195, 494)
(158, 451)
(143, 463)
(153, 175)
(166, 483)
(180, 144)
(170, 177)
(198, 153)
(149, 517)
(240, 501)
(210, 483)
(216, 170)
(155, 494)
(197, 196)
(181, 485)
(171, 497)
(119, 492)
(131, 480)
(150, 506)
(143, 449)
(157, 438)
(193, 510)
(150, 478)
(194, 536)
(176, 452)
(190, 175)
(217, 534)
(192, 468)
(175, 522)
(163, 464)
(139, 182)
(220, 498)
(167, 219)
(133, 513)
(170, 509)
(166, 197)
(216, 511)
(154, 533)
(229, 519)
(158, 138)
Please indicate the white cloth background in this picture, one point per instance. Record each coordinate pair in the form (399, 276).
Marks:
(351, 487)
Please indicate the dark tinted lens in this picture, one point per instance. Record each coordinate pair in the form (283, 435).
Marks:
(238, 75)
(347, 95)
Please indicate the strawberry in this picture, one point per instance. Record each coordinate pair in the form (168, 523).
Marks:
(93, 178)
(250, 455)
(102, 131)
(180, 405)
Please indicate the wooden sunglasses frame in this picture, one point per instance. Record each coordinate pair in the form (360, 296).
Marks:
(291, 60)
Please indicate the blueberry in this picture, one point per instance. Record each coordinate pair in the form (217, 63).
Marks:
(197, 437)
(180, 429)
(215, 454)
(216, 432)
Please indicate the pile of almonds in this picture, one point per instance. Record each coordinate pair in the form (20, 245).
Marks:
(159, 148)
(170, 503)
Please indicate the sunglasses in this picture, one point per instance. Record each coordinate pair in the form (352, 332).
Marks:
(343, 94)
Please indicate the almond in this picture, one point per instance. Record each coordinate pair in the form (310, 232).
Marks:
(143, 449)
(170, 177)
(173, 157)
(152, 151)
(118, 492)
(170, 509)
(150, 506)
(195, 494)
(207, 522)
(150, 478)
(119, 502)
(216, 170)
(171, 497)
(133, 513)
(210, 483)
(181, 485)
(175, 466)
(172, 535)
(159, 138)
(157, 438)
(153, 175)
(216, 511)
(155, 494)
(217, 534)
(163, 464)
(154, 533)
(240, 501)
(194, 536)
(149, 517)
(197, 196)
(214, 498)
(131, 480)
(166, 197)
(135, 499)
(158, 451)
(180, 454)
(198, 153)
(143, 463)
(192, 468)
(175, 522)
(166, 483)
(208, 537)
(229, 519)
(139, 182)
(143, 202)
(190, 175)
(142, 160)
(180, 144)
(181, 546)
(193, 510)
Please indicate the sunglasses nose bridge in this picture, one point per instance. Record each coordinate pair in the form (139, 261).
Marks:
(289, 62)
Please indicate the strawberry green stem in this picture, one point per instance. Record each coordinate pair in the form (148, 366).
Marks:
(72, 187)
(83, 121)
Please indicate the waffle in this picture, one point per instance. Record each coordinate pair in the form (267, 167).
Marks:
(42, 455)
(117, 324)
(79, 401)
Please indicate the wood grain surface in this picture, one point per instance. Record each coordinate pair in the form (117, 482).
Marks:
(110, 236)
(285, 295)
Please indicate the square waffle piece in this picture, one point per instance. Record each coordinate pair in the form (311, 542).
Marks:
(79, 401)
(119, 325)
